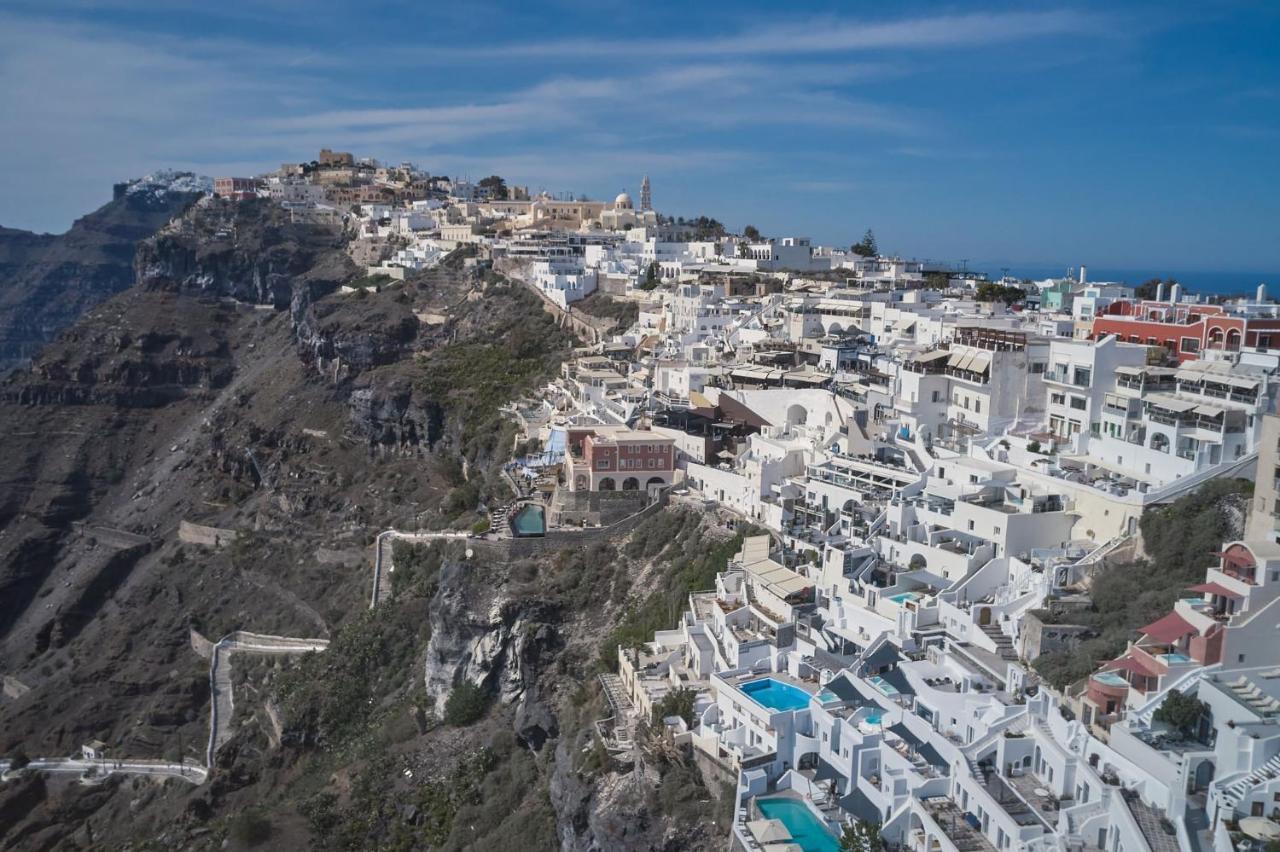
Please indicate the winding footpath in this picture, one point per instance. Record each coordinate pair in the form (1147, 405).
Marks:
(382, 564)
(221, 713)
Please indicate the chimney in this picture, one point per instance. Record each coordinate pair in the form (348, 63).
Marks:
(1082, 274)
(1175, 294)
(1262, 294)
(1160, 292)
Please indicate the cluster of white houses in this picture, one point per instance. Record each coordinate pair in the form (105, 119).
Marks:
(937, 476)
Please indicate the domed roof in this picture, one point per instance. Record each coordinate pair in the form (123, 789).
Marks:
(623, 201)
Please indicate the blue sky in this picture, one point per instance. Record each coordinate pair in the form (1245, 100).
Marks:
(1117, 135)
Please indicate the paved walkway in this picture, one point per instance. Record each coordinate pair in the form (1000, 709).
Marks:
(382, 564)
(222, 703)
(191, 772)
(221, 710)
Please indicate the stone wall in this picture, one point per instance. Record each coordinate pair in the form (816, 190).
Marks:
(190, 533)
(521, 548)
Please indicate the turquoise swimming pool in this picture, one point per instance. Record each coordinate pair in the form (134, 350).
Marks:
(883, 685)
(903, 597)
(806, 830)
(1175, 659)
(775, 695)
(530, 520)
(1110, 679)
(874, 719)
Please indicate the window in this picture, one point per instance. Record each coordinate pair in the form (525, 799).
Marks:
(1190, 345)
(1058, 398)
(1079, 403)
(977, 406)
(602, 464)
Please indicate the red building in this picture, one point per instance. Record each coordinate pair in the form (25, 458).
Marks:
(602, 458)
(1185, 330)
(234, 188)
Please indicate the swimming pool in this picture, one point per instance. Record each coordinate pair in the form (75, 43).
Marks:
(903, 597)
(874, 719)
(1110, 679)
(530, 520)
(775, 695)
(806, 830)
(1175, 659)
(883, 685)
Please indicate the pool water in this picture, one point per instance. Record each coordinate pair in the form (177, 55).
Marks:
(806, 830)
(903, 597)
(1175, 659)
(884, 685)
(1110, 679)
(530, 520)
(874, 719)
(775, 695)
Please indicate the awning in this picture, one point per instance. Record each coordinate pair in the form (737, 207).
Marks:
(1129, 664)
(1210, 410)
(1169, 403)
(1243, 382)
(1129, 371)
(1169, 629)
(981, 362)
(929, 357)
(966, 363)
(957, 356)
(1215, 589)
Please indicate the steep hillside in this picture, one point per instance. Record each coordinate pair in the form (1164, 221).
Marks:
(236, 387)
(48, 281)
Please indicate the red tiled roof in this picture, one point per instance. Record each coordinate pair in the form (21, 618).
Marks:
(1169, 629)
(1129, 664)
(1215, 589)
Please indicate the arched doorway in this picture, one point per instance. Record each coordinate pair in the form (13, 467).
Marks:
(607, 484)
(655, 480)
(630, 484)
(984, 616)
(580, 482)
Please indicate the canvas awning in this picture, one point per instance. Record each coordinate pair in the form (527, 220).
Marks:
(1214, 589)
(981, 362)
(1210, 410)
(1169, 629)
(1243, 382)
(1171, 403)
(779, 579)
(930, 357)
(1129, 664)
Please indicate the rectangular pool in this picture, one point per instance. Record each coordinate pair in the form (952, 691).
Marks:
(883, 685)
(530, 520)
(807, 831)
(903, 597)
(775, 695)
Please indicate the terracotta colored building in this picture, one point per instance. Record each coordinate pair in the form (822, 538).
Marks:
(1185, 330)
(618, 459)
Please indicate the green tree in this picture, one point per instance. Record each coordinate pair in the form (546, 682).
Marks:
(867, 246)
(744, 249)
(1182, 713)
(937, 280)
(677, 702)
(496, 186)
(650, 276)
(466, 704)
(751, 233)
(989, 291)
(861, 836)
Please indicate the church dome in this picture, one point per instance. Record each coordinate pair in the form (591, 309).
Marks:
(622, 202)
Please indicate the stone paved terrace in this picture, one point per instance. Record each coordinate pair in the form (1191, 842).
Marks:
(950, 819)
(1156, 829)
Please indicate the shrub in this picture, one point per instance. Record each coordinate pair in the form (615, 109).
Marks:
(250, 828)
(465, 705)
(480, 527)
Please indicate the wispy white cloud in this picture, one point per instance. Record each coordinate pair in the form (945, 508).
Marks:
(819, 35)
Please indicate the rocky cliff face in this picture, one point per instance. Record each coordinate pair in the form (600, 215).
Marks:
(236, 386)
(48, 281)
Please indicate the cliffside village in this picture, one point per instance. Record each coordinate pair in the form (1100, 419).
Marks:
(929, 461)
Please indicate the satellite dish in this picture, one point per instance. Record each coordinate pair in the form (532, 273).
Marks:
(470, 553)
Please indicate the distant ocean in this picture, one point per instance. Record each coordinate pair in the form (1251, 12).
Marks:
(1205, 283)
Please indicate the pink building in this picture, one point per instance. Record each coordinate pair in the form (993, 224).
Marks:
(603, 458)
